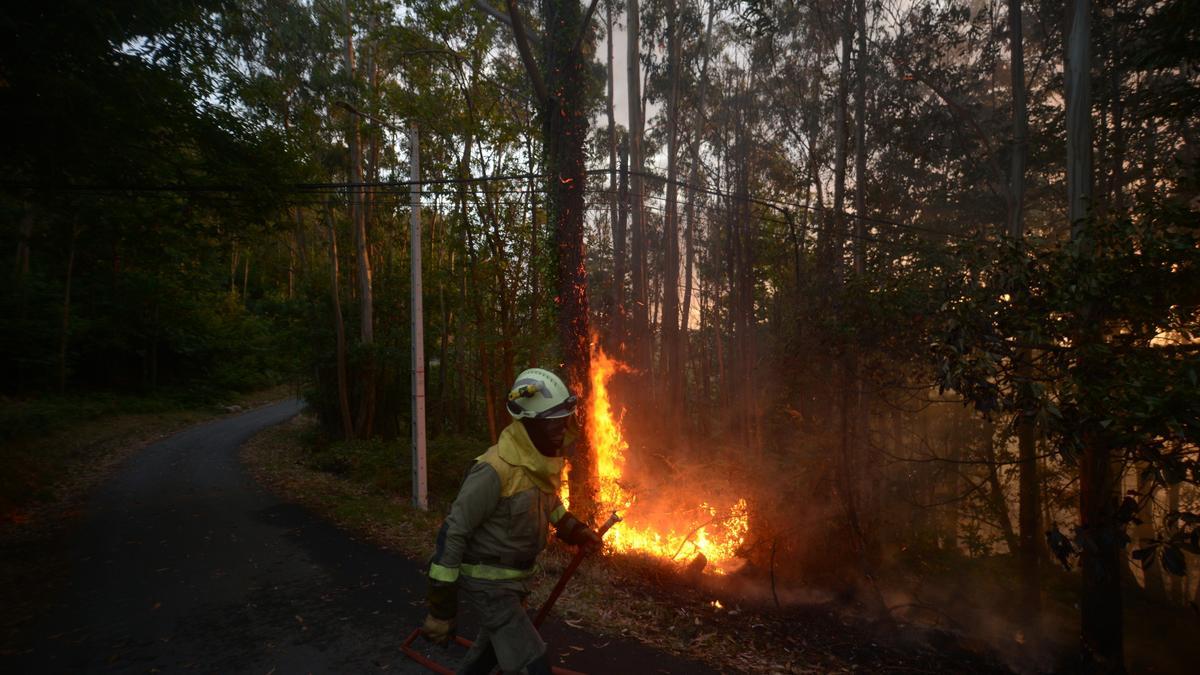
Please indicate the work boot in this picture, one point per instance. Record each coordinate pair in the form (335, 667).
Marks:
(483, 664)
(539, 666)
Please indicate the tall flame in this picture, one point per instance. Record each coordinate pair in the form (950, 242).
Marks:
(704, 529)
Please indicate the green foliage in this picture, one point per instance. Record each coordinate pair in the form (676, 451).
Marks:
(113, 104)
(1110, 319)
(46, 415)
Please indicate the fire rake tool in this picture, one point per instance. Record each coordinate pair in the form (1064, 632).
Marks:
(570, 572)
(412, 653)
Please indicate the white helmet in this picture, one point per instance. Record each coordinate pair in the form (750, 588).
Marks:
(540, 394)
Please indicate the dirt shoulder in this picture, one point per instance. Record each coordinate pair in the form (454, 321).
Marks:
(51, 477)
(726, 622)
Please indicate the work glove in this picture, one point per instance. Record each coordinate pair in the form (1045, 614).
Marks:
(438, 631)
(574, 532)
(443, 607)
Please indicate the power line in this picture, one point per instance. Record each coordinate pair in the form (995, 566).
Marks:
(378, 192)
(335, 187)
(780, 204)
(371, 187)
(754, 223)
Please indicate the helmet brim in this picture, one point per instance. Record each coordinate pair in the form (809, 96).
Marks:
(564, 409)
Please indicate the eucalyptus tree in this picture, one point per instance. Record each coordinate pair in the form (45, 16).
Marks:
(559, 77)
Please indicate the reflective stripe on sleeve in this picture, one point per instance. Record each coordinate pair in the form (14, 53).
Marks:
(557, 514)
(494, 573)
(440, 573)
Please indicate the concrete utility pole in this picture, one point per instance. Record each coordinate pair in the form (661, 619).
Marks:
(419, 482)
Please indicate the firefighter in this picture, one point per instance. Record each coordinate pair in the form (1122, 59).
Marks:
(497, 526)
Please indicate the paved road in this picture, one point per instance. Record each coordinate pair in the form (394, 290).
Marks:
(184, 564)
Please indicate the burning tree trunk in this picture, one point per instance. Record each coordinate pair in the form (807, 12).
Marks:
(560, 98)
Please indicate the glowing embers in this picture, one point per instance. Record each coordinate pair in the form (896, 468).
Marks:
(717, 534)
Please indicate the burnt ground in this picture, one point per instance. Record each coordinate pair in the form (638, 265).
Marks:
(182, 563)
(733, 620)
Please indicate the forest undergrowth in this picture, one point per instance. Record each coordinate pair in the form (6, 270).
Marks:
(730, 621)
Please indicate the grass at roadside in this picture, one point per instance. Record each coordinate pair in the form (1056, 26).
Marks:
(363, 487)
(351, 484)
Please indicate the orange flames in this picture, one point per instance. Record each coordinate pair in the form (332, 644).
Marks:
(703, 529)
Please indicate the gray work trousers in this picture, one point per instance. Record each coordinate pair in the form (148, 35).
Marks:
(505, 626)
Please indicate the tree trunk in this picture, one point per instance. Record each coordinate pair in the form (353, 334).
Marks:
(639, 331)
(340, 331)
(619, 238)
(291, 270)
(21, 263)
(997, 497)
(470, 291)
(698, 127)
(672, 365)
(1100, 559)
(1028, 510)
(1020, 112)
(1176, 586)
(233, 265)
(616, 289)
(65, 327)
(366, 409)
(1079, 115)
(1144, 533)
(565, 129)
(832, 255)
(860, 413)
(835, 232)
(1118, 179)
(860, 141)
(702, 397)
(535, 240)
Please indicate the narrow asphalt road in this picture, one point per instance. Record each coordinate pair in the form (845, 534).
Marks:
(184, 564)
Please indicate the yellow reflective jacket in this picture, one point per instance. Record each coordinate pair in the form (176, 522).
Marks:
(498, 523)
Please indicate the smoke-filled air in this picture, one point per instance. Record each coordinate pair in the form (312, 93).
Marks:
(592, 336)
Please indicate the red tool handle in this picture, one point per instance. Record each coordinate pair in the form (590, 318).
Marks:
(570, 571)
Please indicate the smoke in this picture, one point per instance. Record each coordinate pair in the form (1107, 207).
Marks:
(868, 542)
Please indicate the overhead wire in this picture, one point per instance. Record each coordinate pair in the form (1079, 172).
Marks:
(780, 204)
(377, 187)
(474, 186)
(710, 219)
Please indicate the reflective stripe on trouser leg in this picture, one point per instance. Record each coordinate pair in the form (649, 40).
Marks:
(504, 622)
